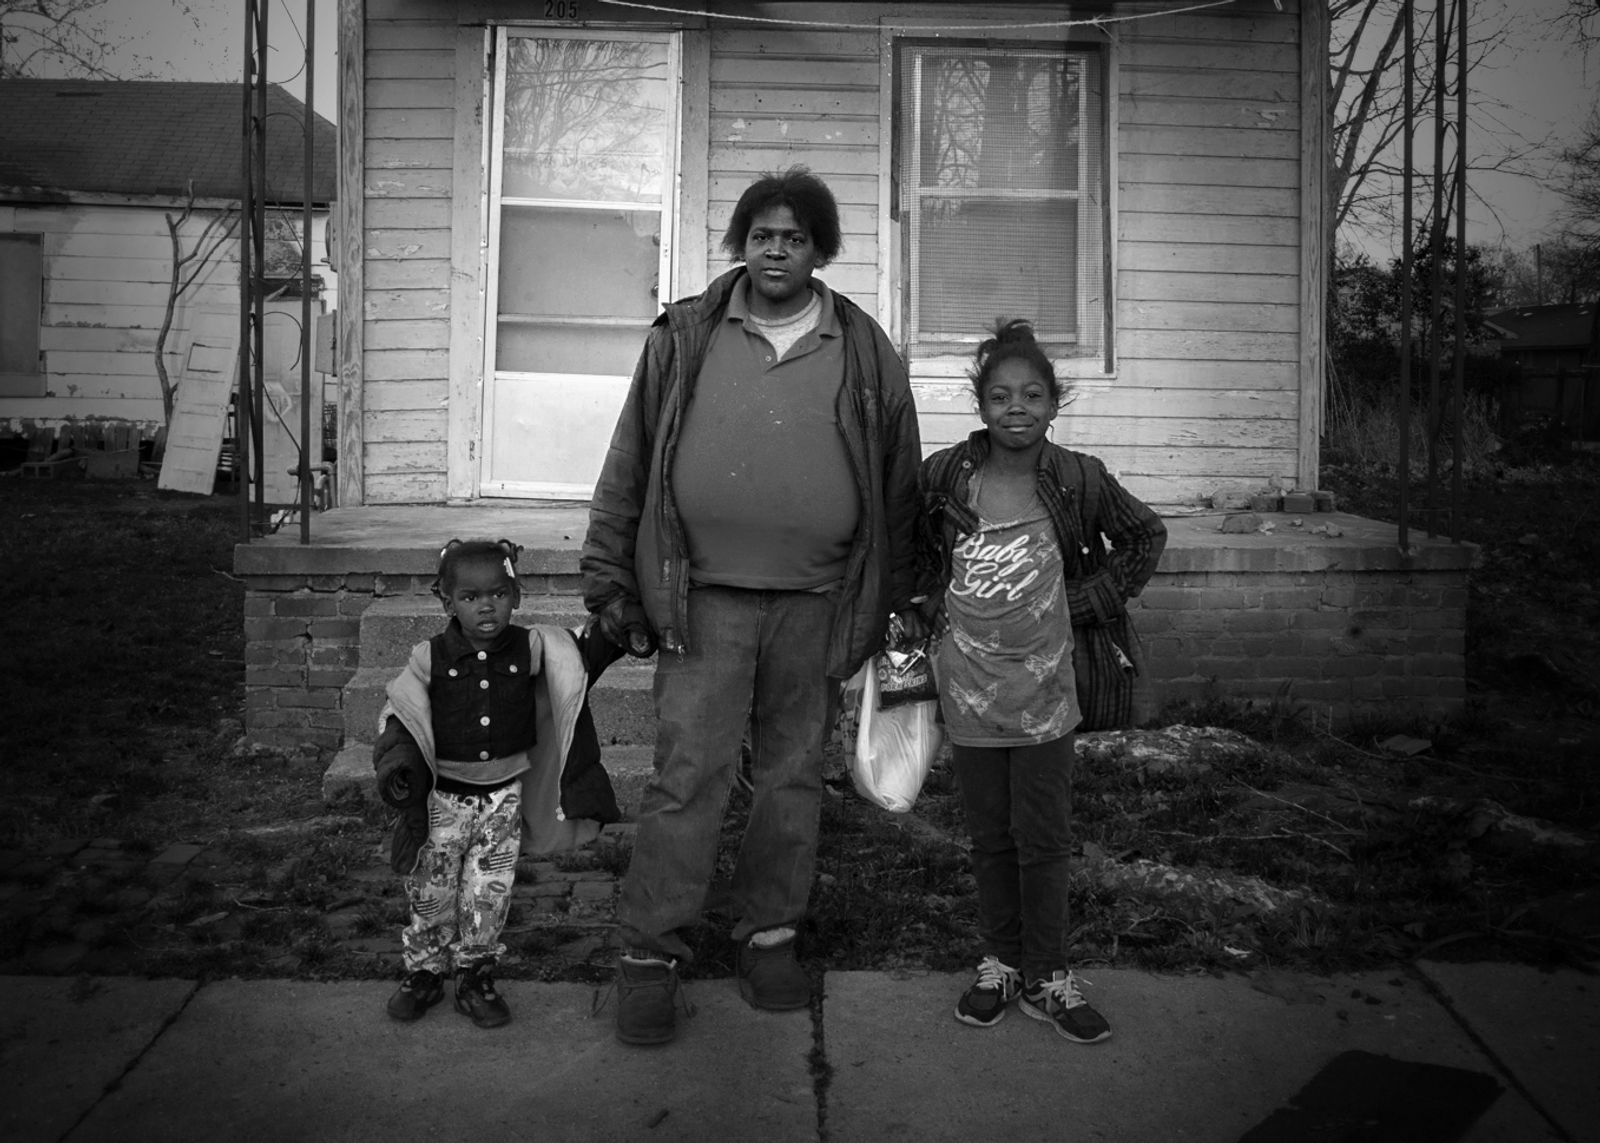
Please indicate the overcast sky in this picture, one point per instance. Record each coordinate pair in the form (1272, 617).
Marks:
(204, 40)
(1545, 84)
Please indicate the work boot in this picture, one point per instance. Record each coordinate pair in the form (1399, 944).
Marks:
(771, 978)
(647, 994)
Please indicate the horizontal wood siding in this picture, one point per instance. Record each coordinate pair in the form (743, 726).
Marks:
(1209, 179)
(781, 96)
(106, 278)
(409, 147)
(1208, 270)
(1207, 315)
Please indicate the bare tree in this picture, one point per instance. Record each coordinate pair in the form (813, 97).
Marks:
(1366, 57)
(67, 38)
(50, 37)
(1553, 271)
(1578, 181)
(189, 262)
(1579, 23)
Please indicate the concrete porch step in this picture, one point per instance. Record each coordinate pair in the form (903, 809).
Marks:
(390, 627)
(630, 768)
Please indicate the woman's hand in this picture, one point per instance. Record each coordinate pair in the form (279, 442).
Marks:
(906, 628)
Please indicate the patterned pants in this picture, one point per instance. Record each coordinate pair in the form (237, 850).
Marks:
(460, 891)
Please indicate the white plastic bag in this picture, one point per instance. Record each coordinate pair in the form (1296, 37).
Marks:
(895, 747)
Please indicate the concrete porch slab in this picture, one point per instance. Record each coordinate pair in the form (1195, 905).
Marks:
(396, 539)
(406, 538)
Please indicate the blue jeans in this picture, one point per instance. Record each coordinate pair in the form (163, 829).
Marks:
(1018, 802)
(756, 658)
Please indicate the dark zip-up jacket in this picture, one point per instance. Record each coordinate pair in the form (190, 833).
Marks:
(1087, 507)
(636, 550)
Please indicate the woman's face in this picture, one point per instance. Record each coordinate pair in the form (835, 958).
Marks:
(781, 256)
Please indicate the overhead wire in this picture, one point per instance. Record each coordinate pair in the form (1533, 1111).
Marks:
(1090, 21)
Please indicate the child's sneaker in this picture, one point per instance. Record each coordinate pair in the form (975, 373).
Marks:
(983, 1005)
(1059, 1002)
(476, 997)
(420, 991)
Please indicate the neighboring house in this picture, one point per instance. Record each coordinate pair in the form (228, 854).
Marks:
(89, 173)
(1556, 350)
(1148, 189)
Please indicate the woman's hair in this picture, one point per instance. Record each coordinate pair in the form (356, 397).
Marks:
(802, 192)
(1013, 340)
(458, 552)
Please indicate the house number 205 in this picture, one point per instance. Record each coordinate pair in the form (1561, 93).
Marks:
(560, 9)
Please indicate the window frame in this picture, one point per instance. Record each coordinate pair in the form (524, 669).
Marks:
(495, 202)
(894, 260)
(25, 382)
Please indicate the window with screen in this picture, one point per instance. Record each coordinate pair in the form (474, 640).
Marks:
(1001, 181)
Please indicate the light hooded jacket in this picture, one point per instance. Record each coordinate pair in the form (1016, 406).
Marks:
(560, 687)
(636, 548)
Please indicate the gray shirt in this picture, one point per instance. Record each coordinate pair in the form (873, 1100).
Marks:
(1005, 665)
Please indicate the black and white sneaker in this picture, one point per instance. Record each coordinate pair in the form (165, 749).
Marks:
(477, 998)
(1058, 1001)
(983, 1005)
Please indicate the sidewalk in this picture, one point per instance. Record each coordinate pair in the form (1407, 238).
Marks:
(1481, 1053)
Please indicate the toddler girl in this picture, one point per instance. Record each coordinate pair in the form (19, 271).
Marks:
(487, 750)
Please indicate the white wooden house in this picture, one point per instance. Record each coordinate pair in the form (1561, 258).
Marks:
(524, 182)
(90, 171)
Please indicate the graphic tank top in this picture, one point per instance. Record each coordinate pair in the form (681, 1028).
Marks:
(1005, 665)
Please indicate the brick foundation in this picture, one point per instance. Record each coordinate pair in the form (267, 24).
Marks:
(1338, 643)
(1341, 625)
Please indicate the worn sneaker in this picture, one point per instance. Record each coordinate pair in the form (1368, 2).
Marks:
(420, 991)
(647, 995)
(983, 1005)
(477, 998)
(1059, 1002)
(771, 978)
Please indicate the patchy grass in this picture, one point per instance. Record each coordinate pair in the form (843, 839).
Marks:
(130, 673)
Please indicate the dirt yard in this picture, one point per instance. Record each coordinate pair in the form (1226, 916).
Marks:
(1258, 841)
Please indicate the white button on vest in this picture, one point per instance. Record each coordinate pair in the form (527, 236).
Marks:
(483, 756)
(483, 684)
(513, 668)
(482, 655)
(484, 721)
(452, 672)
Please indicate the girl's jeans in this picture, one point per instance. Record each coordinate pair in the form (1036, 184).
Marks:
(460, 890)
(756, 657)
(1018, 801)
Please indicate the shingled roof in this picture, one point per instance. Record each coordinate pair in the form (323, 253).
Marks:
(148, 138)
(1544, 327)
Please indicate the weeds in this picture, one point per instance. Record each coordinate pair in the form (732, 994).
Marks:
(1291, 844)
(1368, 435)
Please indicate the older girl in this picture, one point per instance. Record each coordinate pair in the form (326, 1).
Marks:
(1029, 606)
